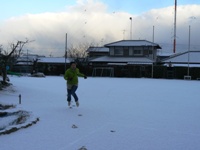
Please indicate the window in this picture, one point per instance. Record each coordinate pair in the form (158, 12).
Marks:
(111, 51)
(131, 51)
(137, 52)
(118, 51)
(126, 51)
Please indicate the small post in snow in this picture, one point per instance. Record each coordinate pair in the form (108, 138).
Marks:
(20, 98)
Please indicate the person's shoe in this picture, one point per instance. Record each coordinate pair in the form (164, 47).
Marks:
(77, 103)
(69, 103)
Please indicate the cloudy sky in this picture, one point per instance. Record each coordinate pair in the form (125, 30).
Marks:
(97, 22)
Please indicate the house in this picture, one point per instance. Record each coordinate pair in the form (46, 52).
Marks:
(183, 64)
(35, 63)
(130, 52)
(25, 63)
(191, 58)
(126, 53)
(53, 65)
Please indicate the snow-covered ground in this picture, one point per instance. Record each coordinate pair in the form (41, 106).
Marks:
(114, 114)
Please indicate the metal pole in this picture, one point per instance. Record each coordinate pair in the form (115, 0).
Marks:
(189, 53)
(152, 54)
(174, 47)
(131, 29)
(27, 61)
(65, 50)
(20, 101)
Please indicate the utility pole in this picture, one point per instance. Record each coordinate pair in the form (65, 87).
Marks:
(27, 58)
(65, 50)
(174, 47)
(152, 53)
(188, 71)
(131, 29)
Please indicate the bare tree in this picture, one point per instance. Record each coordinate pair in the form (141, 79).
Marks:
(6, 57)
(78, 51)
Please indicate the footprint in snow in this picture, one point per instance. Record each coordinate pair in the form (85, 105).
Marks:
(74, 126)
(82, 148)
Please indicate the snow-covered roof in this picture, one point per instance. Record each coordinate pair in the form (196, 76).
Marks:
(165, 54)
(98, 49)
(133, 43)
(187, 65)
(128, 60)
(192, 56)
(24, 63)
(30, 57)
(54, 60)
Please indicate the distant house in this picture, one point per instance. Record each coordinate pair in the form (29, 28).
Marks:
(130, 52)
(185, 59)
(25, 63)
(52, 65)
(138, 53)
(35, 63)
(183, 64)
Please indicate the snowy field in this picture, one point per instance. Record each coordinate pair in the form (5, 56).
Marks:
(114, 114)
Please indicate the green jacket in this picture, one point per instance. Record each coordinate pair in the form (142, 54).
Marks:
(73, 75)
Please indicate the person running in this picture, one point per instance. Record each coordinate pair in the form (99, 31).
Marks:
(71, 76)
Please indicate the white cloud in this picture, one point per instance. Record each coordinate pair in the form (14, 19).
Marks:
(89, 22)
(88, 5)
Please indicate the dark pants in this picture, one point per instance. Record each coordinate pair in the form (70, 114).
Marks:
(72, 92)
